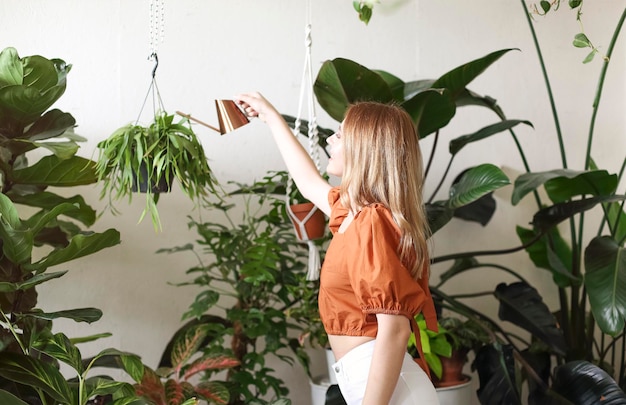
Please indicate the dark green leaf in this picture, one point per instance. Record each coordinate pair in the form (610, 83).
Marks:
(496, 372)
(88, 315)
(596, 183)
(584, 383)
(552, 253)
(431, 109)
(27, 370)
(575, 3)
(438, 215)
(341, 82)
(52, 171)
(605, 281)
(6, 398)
(548, 217)
(475, 183)
(522, 305)
(80, 210)
(31, 282)
(80, 245)
(545, 5)
(52, 124)
(457, 144)
(457, 79)
(582, 182)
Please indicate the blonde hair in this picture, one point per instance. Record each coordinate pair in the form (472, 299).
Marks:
(383, 164)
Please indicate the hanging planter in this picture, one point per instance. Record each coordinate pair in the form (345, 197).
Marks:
(308, 221)
(149, 158)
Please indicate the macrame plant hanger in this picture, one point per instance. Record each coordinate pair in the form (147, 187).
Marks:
(157, 33)
(306, 86)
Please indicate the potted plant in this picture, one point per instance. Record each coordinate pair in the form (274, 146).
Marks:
(250, 271)
(174, 384)
(149, 159)
(464, 336)
(50, 232)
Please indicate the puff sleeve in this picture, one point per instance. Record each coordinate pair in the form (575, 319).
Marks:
(381, 282)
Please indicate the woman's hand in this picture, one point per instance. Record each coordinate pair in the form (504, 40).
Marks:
(255, 105)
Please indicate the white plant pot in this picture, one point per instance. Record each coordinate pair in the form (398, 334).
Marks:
(319, 386)
(461, 394)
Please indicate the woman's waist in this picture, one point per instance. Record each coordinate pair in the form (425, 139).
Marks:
(342, 344)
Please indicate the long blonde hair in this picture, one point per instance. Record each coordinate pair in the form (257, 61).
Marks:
(383, 164)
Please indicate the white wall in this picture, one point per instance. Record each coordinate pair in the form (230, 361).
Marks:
(217, 49)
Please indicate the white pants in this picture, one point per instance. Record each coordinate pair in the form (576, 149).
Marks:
(413, 387)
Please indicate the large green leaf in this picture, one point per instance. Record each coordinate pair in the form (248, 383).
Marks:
(59, 347)
(50, 125)
(80, 245)
(548, 217)
(11, 68)
(457, 79)
(26, 98)
(496, 372)
(459, 143)
(17, 242)
(31, 282)
(341, 82)
(431, 109)
(562, 184)
(605, 281)
(522, 305)
(6, 398)
(584, 383)
(29, 371)
(53, 171)
(79, 210)
(88, 315)
(552, 253)
(475, 183)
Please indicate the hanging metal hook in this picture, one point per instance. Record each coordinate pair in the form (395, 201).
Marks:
(154, 57)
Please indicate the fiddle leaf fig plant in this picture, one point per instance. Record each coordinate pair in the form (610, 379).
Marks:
(149, 159)
(48, 233)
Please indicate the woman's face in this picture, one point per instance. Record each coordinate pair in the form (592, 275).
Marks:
(336, 162)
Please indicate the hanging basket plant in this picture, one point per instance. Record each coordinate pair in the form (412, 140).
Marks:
(149, 158)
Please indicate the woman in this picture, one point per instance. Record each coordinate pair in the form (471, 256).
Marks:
(374, 279)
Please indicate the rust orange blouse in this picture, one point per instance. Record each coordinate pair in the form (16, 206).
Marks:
(363, 275)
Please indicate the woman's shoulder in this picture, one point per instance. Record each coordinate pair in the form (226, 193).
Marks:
(376, 215)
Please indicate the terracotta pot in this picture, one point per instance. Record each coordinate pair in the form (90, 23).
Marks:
(314, 226)
(452, 369)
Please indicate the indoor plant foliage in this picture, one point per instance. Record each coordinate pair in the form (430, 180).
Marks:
(251, 269)
(49, 236)
(173, 385)
(149, 159)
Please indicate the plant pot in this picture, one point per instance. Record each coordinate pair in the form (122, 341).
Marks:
(459, 394)
(319, 386)
(309, 217)
(163, 186)
(452, 369)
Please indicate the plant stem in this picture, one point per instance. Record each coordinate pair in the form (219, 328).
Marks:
(487, 252)
(443, 177)
(431, 158)
(548, 86)
(596, 101)
(14, 333)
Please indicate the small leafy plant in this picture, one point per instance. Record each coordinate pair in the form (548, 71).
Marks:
(149, 159)
(172, 385)
(250, 271)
